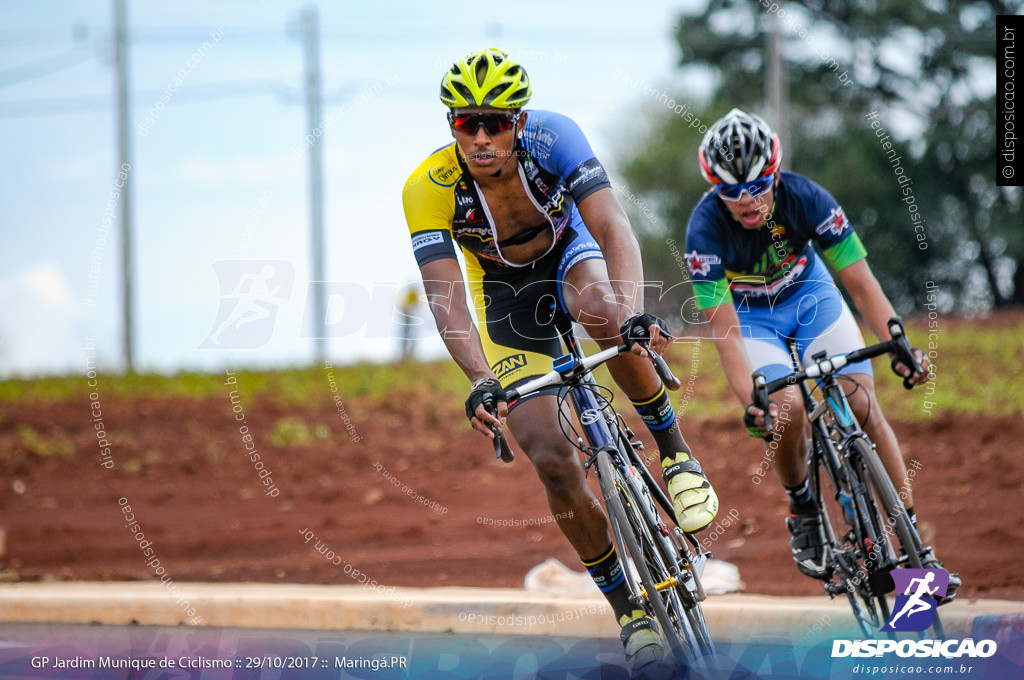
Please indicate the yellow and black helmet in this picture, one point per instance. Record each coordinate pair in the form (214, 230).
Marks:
(487, 78)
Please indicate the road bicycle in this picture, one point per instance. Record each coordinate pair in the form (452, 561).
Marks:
(664, 566)
(868, 531)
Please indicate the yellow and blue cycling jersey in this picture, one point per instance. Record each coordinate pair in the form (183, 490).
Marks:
(444, 206)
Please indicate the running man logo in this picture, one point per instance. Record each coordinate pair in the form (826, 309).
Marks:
(508, 364)
(250, 293)
(914, 610)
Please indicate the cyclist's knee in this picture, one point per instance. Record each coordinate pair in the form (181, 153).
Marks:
(558, 470)
(595, 309)
(790, 405)
(863, 401)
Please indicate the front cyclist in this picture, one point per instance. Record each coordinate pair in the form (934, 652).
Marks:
(542, 234)
(759, 282)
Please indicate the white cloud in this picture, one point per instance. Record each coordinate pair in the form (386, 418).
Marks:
(47, 284)
(39, 321)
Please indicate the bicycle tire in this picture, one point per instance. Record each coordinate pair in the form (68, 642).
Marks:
(878, 478)
(842, 544)
(617, 494)
(877, 545)
(688, 601)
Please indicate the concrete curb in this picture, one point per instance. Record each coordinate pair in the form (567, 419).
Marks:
(458, 610)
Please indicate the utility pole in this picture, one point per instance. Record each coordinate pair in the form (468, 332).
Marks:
(775, 82)
(310, 31)
(124, 152)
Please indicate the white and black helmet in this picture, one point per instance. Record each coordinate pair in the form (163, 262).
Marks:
(739, 147)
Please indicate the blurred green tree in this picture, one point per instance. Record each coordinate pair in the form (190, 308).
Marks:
(926, 68)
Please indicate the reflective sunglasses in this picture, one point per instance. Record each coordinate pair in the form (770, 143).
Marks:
(734, 192)
(494, 123)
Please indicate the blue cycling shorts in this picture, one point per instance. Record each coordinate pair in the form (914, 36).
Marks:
(815, 318)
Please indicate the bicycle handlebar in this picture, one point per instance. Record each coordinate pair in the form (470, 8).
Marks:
(571, 369)
(897, 345)
(501, 448)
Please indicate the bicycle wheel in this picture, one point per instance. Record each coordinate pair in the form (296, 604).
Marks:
(849, 575)
(682, 550)
(901, 536)
(635, 539)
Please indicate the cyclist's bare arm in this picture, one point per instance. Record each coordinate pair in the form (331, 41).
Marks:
(608, 224)
(446, 294)
(725, 332)
(872, 302)
(724, 325)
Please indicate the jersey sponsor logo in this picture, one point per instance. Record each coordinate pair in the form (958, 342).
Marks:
(428, 238)
(836, 222)
(508, 364)
(541, 139)
(766, 286)
(533, 174)
(445, 175)
(483, 233)
(700, 264)
(587, 172)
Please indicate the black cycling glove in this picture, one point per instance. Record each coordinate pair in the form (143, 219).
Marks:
(895, 361)
(750, 420)
(635, 328)
(484, 389)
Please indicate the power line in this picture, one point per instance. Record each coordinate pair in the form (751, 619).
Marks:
(144, 99)
(47, 65)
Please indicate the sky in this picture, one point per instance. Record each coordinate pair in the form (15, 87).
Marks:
(219, 164)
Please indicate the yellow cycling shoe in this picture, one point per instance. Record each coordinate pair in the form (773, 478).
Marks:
(641, 640)
(695, 502)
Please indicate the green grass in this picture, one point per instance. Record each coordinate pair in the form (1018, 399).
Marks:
(977, 370)
(290, 387)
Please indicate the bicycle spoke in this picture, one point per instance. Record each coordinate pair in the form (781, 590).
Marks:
(658, 588)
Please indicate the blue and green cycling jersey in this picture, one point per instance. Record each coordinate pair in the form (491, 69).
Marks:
(761, 267)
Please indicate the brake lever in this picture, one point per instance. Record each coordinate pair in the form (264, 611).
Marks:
(904, 352)
(502, 449)
(664, 372)
(759, 396)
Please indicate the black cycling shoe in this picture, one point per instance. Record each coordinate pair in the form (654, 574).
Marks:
(954, 580)
(808, 545)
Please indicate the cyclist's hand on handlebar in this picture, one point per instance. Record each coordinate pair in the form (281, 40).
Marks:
(648, 328)
(753, 418)
(907, 373)
(487, 406)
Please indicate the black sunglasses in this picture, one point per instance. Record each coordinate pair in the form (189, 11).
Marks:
(494, 123)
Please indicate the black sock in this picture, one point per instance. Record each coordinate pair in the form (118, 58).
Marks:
(660, 419)
(610, 579)
(801, 500)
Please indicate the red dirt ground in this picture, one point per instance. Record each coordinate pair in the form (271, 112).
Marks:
(181, 467)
